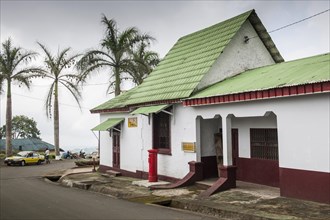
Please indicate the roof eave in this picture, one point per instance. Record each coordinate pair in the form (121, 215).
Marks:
(265, 37)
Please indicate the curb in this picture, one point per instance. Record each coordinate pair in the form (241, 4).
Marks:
(204, 207)
(227, 211)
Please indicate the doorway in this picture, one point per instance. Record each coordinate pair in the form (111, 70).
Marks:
(115, 149)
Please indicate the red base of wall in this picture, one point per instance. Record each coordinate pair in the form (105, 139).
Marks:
(265, 172)
(307, 185)
(138, 174)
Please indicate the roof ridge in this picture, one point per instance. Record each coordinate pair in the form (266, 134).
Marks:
(218, 24)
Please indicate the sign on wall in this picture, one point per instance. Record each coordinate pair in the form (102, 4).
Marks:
(132, 122)
(188, 147)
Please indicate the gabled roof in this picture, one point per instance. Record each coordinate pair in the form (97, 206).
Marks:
(309, 70)
(27, 144)
(179, 73)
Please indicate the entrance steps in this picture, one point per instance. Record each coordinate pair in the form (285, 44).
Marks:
(113, 173)
(206, 183)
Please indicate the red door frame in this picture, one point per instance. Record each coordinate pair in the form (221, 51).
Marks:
(115, 149)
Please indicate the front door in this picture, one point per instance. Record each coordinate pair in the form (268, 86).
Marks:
(115, 149)
(234, 143)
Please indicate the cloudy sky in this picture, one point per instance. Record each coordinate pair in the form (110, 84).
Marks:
(76, 24)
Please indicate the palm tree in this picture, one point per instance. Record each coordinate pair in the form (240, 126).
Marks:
(55, 71)
(13, 61)
(114, 54)
(144, 61)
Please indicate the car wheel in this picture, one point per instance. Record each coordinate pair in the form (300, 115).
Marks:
(39, 162)
(8, 164)
(22, 163)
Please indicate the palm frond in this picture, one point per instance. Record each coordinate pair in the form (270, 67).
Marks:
(49, 60)
(73, 89)
(49, 100)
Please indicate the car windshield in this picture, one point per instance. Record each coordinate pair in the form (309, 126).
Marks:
(22, 154)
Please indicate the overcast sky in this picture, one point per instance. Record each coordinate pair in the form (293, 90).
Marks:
(76, 24)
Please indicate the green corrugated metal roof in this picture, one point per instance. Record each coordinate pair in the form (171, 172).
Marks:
(187, 62)
(178, 74)
(111, 122)
(303, 71)
(117, 102)
(149, 109)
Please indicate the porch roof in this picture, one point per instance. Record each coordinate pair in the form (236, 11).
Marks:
(309, 70)
(149, 109)
(108, 124)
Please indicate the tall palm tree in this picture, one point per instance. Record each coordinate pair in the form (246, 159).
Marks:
(13, 68)
(114, 53)
(56, 66)
(144, 61)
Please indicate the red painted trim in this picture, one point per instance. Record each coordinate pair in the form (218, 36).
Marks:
(304, 184)
(113, 110)
(262, 94)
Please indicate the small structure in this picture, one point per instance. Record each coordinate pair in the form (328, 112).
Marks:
(27, 144)
(224, 98)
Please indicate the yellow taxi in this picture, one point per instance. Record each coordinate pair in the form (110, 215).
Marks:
(25, 157)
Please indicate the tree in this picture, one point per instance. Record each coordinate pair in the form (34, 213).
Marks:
(114, 54)
(56, 66)
(13, 62)
(22, 127)
(144, 62)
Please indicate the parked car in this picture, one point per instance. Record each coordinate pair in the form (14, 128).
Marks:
(25, 157)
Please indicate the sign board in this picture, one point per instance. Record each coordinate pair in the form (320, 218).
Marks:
(189, 147)
(132, 122)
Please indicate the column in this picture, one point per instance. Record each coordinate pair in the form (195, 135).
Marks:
(227, 145)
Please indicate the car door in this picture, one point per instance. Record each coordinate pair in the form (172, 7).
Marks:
(35, 158)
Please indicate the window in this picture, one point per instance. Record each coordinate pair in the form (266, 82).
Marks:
(264, 143)
(161, 132)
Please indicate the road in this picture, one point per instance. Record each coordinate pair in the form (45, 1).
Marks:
(25, 195)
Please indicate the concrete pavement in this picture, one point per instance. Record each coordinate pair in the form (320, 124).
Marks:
(247, 201)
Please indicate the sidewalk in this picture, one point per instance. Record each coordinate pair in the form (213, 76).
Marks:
(247, 201)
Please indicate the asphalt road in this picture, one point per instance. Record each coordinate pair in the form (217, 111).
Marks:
(25, 195)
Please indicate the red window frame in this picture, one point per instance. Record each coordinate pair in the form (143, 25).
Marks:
(162, 132)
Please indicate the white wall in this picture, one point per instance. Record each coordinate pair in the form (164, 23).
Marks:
(302, 122)
(183, 129)
(135, 143)
(238, 57)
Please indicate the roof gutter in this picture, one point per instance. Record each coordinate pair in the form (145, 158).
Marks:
(312, 88)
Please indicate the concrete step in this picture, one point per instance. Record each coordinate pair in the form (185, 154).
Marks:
(113, 173)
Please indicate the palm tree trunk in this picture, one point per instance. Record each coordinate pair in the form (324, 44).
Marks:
(56, 122)
(9, 149)
(117, 81)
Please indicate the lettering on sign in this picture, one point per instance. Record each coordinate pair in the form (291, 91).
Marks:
(189, 147)
(132, 122)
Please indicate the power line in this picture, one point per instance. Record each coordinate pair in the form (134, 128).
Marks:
(73, 106)
(90, 84)
(288, 25)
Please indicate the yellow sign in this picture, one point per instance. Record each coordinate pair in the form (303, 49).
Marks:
(188, 147)
(132, 122)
